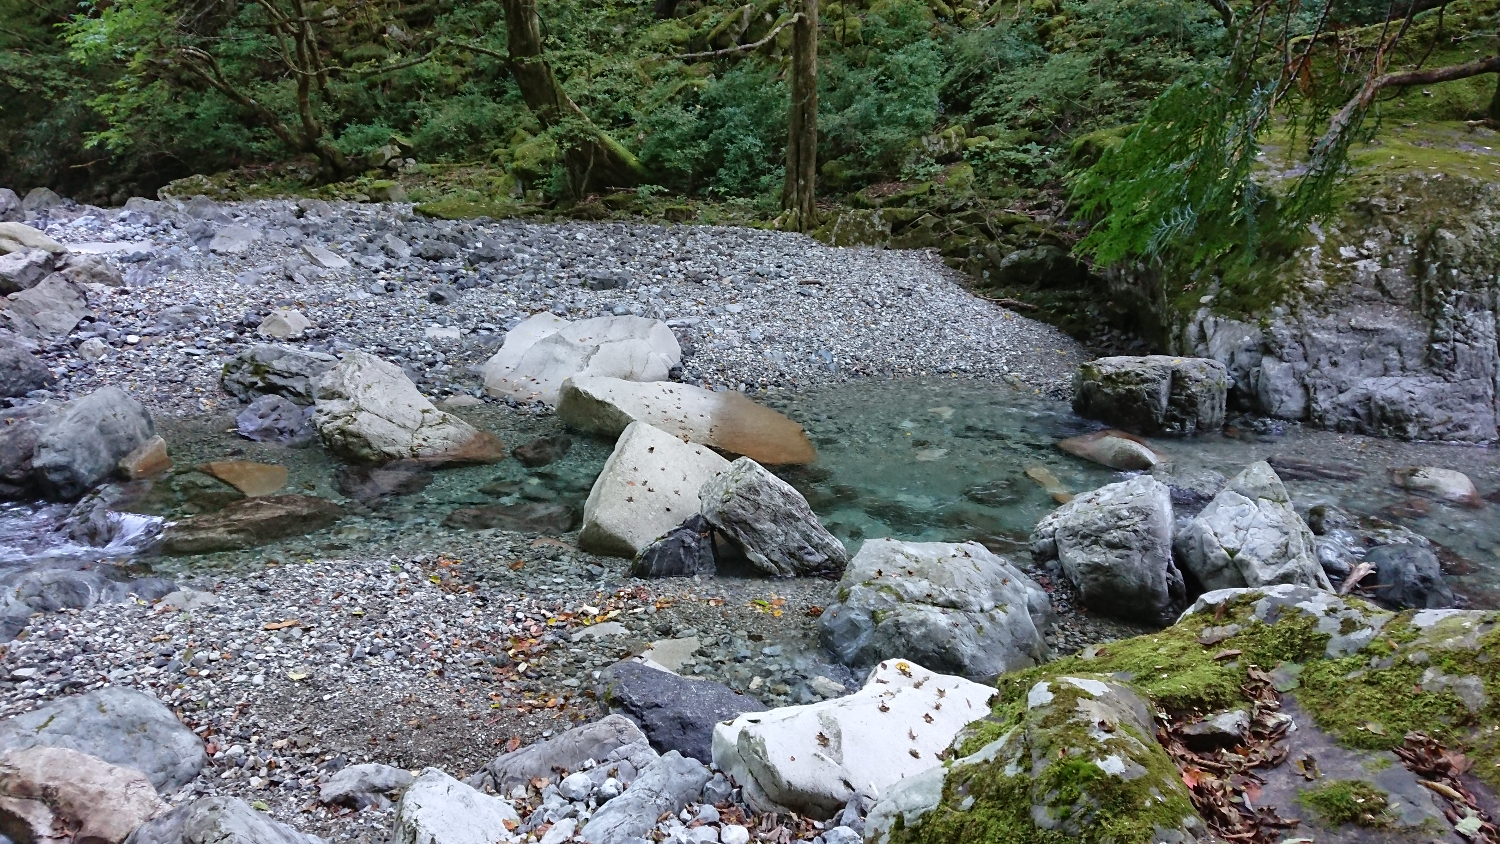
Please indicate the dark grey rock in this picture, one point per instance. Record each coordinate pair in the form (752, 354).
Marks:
(543, 450)
(265, 369)
(676, 713)
(771, 522)
(91, 269)
(545, 517)
(217, 820)
(20, 429)
(50, 309)
(22, 270)
(20, 370)
(10, 207)
(443, 294)
(1155, 394)
(684, 551)
(121, 726)
(276, 419)
(1409, 577)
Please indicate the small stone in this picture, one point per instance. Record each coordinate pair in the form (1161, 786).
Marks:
(284, 324)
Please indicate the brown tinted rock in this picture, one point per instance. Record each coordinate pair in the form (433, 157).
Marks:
(51, 791)
(253, 479)
(543, 450)
(149, 459)
(252, 522)
(723, 420)
(1115, 449)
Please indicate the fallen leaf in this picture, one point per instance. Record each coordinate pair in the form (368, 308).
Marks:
(1229, 653)
(281, 625)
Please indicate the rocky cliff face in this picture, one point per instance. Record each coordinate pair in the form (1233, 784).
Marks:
(1391, 329)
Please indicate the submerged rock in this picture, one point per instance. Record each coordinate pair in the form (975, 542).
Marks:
(1115, 546)
(274, 419)
(1114, 449)
(1156, 394)
(723, 420)
(1445, 484)
(771, 522)
(957, 608)
(549, 518)
(251, 522)
(1249, 535)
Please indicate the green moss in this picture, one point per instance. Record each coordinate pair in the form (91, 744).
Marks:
(458, 208)
(1342, 802)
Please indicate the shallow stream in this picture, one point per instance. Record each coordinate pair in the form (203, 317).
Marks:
(933, 459)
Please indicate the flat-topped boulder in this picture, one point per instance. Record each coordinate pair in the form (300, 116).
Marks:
(725, 420)
(648, 486)
(1154, 394)
(544, 351)
(49, 310)
(16, 237)
(367, 410)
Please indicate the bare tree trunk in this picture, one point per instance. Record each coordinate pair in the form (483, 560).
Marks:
(799, 191)
(595, 157)
(1494, 110)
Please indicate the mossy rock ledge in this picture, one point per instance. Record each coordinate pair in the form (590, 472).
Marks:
(1069, 751)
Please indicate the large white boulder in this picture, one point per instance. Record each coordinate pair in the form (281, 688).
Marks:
(724, 420)
(1249, 535)
(438, 809)
(15, 237)
(366, 409)
(812, 759)
(542, 352)
(648, 486)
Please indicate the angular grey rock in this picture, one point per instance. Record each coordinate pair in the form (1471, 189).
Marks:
(1444, 484)
(358, 786)
(612, 739)
(1409, 577)
(771, 522)
(46, 789)
(1115, 546)
(1250, 536)
(369, 411)
(649, 484)
(19, 430)
(1191, 489)
(959, 609)
(218, 820)
(1060, 729)
(274, 419)
(86, 440)
(232, 240)
(40, 200)
(201, 207)
(683, 551)
(91, 269)
(1156, 394)
(10, 207)
(264, 369)
(675, 713)
(50, 309)
(438, 809)
(20, 370)
(122, 726)
(22, 270)
(666, 785)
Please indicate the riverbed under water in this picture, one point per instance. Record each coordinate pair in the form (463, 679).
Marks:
(933, 459)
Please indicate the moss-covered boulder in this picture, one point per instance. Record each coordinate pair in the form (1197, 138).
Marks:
(1081, 764)
(1357, 679)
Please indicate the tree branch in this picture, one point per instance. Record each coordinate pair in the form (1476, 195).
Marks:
(1403, 79)
(745, 48)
